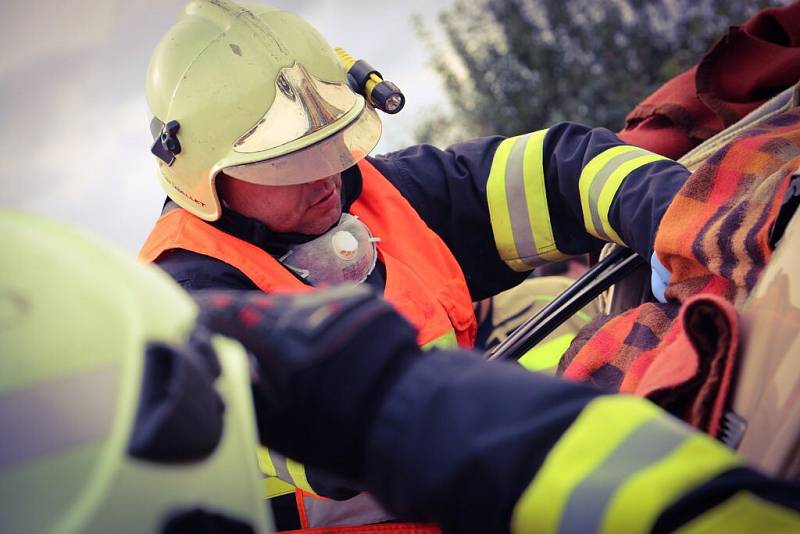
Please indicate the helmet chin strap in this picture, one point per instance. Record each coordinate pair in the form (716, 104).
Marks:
(344, 254)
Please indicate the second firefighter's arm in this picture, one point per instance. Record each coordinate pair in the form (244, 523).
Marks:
(480, 446)
(488, 447)
(507, 205)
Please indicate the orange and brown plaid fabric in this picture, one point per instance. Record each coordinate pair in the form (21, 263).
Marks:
(714, 238)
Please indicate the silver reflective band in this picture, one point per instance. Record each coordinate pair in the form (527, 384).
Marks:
(50, 417)
(345, 253)
(601, 179)
(517, 200)
(281, 467)
(587, 505)
(599, 182)
(518, 205)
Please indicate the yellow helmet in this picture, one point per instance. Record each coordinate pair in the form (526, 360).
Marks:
(255, 92)
(117, 412)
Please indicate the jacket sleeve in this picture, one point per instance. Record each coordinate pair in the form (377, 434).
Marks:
(507, 205)
(196, 272)
(486, 447)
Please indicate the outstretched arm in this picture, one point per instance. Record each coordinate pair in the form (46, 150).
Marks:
(507, 205)
(478, 446)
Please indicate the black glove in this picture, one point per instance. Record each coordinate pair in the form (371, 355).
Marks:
(324, 361)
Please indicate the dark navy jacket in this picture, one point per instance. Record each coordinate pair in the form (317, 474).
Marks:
(448, 189)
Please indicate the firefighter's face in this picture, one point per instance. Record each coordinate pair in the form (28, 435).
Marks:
(310, 208)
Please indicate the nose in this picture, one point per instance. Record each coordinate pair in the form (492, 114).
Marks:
(324, 184)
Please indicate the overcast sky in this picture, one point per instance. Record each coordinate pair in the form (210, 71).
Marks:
(74, 143)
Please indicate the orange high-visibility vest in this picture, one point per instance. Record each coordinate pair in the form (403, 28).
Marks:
(423, 282)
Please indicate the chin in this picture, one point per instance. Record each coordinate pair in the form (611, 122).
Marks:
(323, 224)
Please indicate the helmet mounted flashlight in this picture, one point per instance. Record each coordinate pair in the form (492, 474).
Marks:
(367, 81)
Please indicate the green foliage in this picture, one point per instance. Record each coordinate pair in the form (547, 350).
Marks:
(512, 66)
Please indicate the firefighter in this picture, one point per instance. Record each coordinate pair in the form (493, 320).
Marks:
(262, 147)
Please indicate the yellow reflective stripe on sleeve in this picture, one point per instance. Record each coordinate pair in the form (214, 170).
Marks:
(277, 465)
(446, 341)
(642, 498)
(498, 207)
(599, 429)
(544, 244)
(275, 487)
(588, 178)
(518, 209)
(599, 182)
(617, 454)
(298, 474)
(610, 188)
(744, 513)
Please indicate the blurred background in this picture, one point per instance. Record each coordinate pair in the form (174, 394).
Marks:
(74, 143)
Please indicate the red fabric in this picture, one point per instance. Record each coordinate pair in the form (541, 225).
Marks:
(701, 360)
(743, 70)
(672, 120)
(423, 280)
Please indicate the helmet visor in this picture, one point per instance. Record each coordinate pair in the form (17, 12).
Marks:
(324, 158)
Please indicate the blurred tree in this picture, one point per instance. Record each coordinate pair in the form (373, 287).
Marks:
(511, 66)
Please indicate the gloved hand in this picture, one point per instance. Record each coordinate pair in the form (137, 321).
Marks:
(659, 278)
(323, 362)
